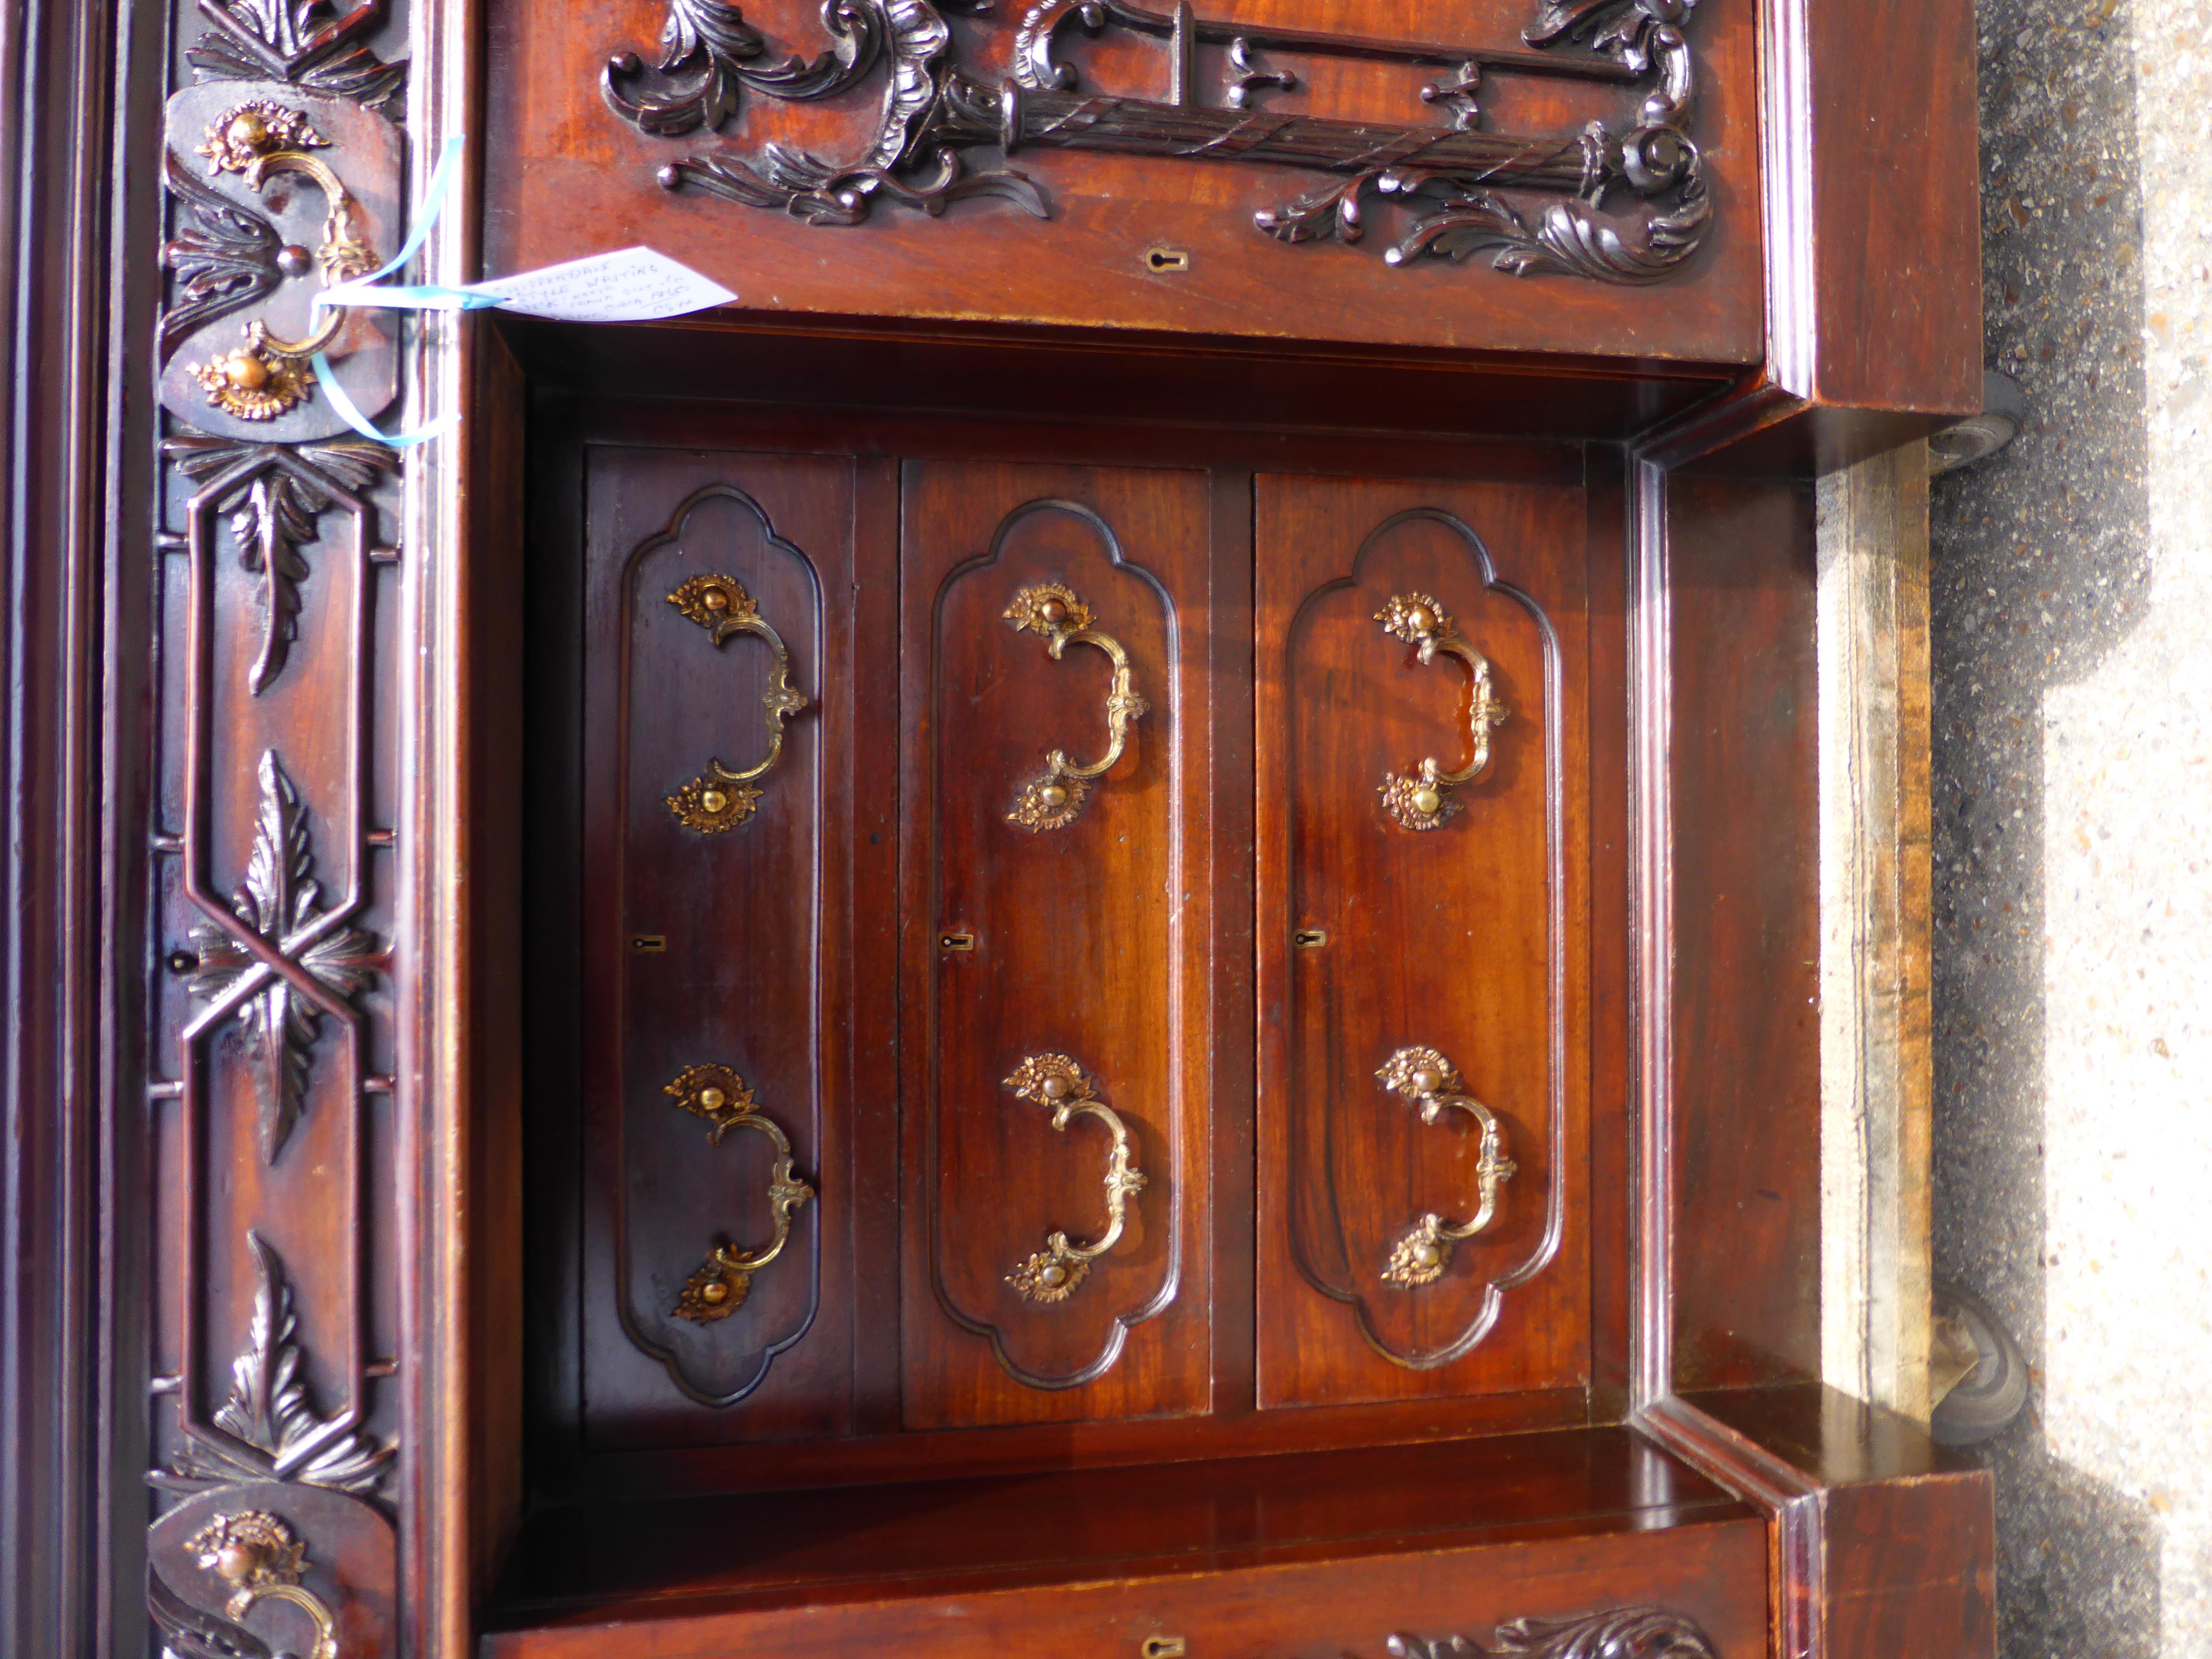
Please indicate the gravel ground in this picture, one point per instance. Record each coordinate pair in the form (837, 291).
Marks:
(2041, 569)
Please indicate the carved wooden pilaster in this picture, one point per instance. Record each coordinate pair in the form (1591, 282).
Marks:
(275, 834)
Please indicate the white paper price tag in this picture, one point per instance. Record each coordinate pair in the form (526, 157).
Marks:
(631, 286)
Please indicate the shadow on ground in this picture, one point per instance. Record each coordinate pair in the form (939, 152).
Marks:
(2040, 567)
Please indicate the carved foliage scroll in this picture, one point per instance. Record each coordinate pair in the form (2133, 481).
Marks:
(1621, 1633)
(1468, 191)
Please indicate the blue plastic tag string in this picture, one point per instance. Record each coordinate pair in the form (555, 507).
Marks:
(359, 293)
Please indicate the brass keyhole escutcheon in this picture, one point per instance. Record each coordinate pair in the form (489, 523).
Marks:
(1161, 1647)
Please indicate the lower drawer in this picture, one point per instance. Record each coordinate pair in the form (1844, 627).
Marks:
(1710, 1574)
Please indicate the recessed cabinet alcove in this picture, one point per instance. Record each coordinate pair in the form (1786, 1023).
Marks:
(917, 829)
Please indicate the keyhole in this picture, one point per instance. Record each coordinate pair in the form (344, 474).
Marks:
(1161, 260)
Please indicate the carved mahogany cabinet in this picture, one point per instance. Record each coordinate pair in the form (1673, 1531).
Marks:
(1091, 930)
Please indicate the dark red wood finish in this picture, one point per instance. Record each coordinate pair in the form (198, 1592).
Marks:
(1265, 1557)
(1471, 938)
(731, 947)
(1866, 304)
(1745, 850)
(1090, 940)
(567, 178)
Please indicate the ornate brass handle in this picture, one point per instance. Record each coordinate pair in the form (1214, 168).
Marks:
(326, 1627)
(1055, 800)
(263, 1559)
(268, 376)
(1056, 1081)
(1421, 799)
(718, 799)
(1428, 1080)
(718, 1094)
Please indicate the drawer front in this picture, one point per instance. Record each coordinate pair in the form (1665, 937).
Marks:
(718, 666)
(1423, 762)
(1421, 174)
(1056, 1019)
(1704, 1585)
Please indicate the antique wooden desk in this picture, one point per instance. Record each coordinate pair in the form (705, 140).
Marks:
(1090, 932)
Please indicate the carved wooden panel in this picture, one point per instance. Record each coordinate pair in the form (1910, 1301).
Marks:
(1056, 943)
(721, 746)
(1273, 167)
(1422, 760)
(277, 833)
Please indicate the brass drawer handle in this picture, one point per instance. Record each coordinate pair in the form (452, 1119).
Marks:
(1055, 800)
(268, 376)
(721, 1097)
(1427, 1079)
(326, 1627)
(1056, 1081)
(720, 799)
(260, 1556)
(1422, 799)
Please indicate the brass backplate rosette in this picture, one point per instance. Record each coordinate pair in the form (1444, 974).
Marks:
(715, 1291)
(1049, 1276)
(1051, 802)
(710, 805)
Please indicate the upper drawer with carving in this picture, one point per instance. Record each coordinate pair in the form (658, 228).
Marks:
(1559, 176)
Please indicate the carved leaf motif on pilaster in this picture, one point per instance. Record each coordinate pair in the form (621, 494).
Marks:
(225, 259)
(279, 898)
(310, 43)
(268, 1420)
(274, 513)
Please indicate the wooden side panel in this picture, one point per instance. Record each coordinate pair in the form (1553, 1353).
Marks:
(1912, 1568)
(1087, 938)
(1747, 1085)
(1466, 935)
(1886, 245)
(715, 933)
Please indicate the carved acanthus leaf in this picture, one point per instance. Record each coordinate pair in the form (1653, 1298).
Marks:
(279, 897)
(707, 54)
(273, 514)
(269, 1415)
(821, 193)
(1569, 238)
(226, 259)
(1621, 1633)
(305, 42)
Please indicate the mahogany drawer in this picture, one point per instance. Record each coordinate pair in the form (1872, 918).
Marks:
(1712, 1573)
